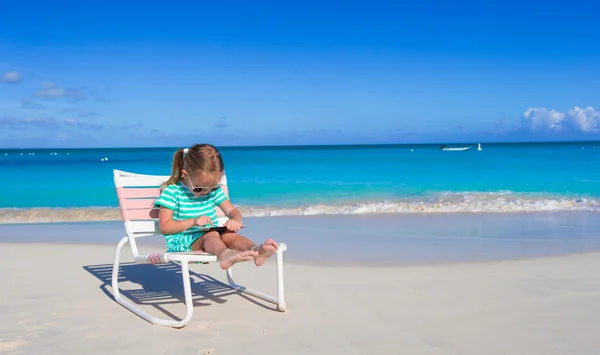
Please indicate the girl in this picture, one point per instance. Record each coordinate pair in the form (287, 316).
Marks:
(188, 202)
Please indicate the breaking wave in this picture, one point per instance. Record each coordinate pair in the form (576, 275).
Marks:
(497, 202)
(466, 202)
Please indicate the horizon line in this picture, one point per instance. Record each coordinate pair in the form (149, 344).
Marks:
(314, 145)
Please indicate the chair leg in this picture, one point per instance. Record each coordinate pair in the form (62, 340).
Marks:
(279, 300)
(185, 274)
(280, 294)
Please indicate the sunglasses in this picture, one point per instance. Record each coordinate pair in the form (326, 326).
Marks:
(202, 189)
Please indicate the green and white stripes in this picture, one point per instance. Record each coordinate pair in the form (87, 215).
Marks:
(185, 205)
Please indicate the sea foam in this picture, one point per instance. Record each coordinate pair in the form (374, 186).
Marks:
(498, 202)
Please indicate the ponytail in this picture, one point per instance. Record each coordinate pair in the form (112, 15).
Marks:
(203, 158)
(176, 173)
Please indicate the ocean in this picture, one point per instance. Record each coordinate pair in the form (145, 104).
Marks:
(309, 180)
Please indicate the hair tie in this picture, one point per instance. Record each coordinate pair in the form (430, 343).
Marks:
(185, 151)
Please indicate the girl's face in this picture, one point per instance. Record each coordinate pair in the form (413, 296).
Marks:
(202, 184)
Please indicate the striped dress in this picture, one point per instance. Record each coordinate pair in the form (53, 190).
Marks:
(185, 205)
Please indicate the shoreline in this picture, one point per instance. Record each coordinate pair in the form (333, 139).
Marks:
(372, 239)
(35, 215)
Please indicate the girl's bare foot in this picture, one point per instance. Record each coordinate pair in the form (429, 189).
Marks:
(229, 257)
(265, 250)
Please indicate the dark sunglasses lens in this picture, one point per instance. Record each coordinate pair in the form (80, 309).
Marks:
(202, 189)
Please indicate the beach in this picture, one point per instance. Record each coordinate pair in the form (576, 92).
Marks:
(459, 293)
(420, 253)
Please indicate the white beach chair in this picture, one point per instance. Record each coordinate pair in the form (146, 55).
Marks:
(137, 193)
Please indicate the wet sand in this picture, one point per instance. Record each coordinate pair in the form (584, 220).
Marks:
(389, 239)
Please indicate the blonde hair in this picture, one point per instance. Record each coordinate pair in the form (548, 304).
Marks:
(199, 158)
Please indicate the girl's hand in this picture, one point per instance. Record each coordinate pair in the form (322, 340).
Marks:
(233, 225)
(202, 221)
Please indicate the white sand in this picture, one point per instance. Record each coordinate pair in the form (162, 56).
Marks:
(54, 304)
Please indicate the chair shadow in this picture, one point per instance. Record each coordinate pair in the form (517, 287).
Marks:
(162, 285)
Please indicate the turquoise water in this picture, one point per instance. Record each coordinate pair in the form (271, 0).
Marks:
(330, 179)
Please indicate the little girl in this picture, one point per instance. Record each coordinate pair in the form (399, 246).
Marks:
(188, 202)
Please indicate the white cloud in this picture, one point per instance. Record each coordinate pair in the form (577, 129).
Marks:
(51, 90)
(584, 119)
(12, 77)
(540, 119)
(13, 123)
(73, 122)
(46, 122)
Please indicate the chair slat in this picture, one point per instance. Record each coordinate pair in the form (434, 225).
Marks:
(142, 180)
(143, 227)
(136, 215)
(124, 193)
(137, 203)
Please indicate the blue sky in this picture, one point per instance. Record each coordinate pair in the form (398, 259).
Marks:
(74, 74)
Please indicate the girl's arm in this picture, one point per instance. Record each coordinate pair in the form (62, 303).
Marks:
(230, 211)
(169, 226)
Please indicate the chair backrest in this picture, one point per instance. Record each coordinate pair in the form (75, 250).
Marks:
(137, 193)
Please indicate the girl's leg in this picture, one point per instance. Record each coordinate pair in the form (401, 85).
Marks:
(236, 241)
(212, 243)
(239, 242)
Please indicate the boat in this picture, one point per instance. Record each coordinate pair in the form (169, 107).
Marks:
(454, 149)
(478, 146)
